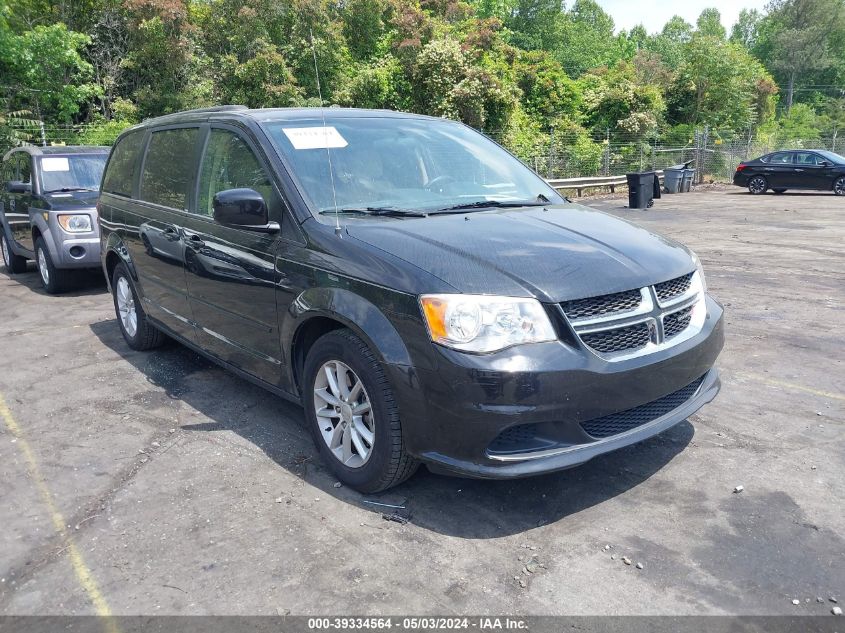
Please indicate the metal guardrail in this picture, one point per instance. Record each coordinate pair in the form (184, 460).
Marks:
(579, 184)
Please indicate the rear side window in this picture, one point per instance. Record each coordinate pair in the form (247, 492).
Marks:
(169, 167)
(807, 158)
(120, 173)
(781, 158)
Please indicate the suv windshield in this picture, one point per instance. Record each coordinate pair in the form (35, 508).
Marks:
(72, 172)
(401, 164)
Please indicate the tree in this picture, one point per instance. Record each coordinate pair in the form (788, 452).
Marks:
(722, 85)
(710, 23)
(747, 27)
(670, 42)
(262, 81)
(615, 99)
(587, 40)
(799, 35)
(47, 63)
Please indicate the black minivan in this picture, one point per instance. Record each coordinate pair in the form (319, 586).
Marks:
(424, 295)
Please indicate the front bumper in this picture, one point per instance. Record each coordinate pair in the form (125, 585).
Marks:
(79, 252)
(455, 415)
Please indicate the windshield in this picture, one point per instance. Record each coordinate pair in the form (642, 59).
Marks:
(833, 158)
(68, 173)
(401, 164)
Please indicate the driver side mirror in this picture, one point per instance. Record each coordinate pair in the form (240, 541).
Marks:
(243, 209)
(18, 186)
(827, 163)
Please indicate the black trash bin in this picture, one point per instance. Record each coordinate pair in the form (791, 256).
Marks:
(641, 189)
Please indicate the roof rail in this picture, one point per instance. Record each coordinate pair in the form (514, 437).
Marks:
(210, 110)
(220, 108)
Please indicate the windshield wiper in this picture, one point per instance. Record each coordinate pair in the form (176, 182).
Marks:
(66, 189)
(388, 211)
(539, 201)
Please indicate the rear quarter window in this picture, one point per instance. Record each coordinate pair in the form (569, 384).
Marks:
(120, 171)
(169, 167)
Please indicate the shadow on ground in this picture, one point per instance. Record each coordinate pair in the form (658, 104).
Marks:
(457, 507)
(82, 282)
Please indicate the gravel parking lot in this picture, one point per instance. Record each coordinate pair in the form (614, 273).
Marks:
(157, 483)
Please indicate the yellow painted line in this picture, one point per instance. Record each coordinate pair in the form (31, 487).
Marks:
(791, 385)
(83, 574)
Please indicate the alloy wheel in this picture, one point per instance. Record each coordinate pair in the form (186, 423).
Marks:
(757, 184)
(839, 186)
(344, 413)
(42, 267)
(126, 307)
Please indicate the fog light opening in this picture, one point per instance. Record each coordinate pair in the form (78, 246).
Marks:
(77, 252)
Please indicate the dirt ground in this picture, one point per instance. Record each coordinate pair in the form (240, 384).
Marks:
(157, 483)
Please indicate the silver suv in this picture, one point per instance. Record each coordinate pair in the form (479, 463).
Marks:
(48, 210)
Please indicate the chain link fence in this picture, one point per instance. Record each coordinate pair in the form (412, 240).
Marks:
(713, 153)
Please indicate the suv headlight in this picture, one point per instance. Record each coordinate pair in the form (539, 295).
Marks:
(77, 223)
(481, 323)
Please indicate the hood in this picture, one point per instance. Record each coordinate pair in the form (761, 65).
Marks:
(72, 200)
(554, 253)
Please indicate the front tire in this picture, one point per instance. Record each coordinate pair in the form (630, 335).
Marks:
(757, 185)
(54, 280)
(352, 414)
(15, 264)
(138, 332)
(839, 186)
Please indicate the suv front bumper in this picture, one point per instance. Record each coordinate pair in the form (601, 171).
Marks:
(453, 417)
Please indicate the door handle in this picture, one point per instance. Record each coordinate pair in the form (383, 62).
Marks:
(799, 170)
(170, 234)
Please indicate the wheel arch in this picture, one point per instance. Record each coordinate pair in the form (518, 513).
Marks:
(318, 311)
(115, 252)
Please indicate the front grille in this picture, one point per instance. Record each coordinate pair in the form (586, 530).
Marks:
(676, 322)
(673, 288)
(616, 423)
(605, 304)
(618, 340)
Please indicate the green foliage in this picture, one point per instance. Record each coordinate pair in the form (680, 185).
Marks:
(47, 63)
(535, 74)
(615, 99)
(262, 81)
(722, 85)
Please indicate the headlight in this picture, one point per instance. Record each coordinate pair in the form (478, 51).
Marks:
(480, 323)
(700, 270)
(75, 223)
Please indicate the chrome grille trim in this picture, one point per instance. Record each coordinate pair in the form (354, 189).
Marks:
(651, 312)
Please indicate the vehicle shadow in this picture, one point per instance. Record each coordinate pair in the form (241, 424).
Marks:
(786, 194)
(82, 282)
(465, 508)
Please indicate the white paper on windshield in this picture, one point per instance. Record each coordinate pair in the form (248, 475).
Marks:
(314, 137)
(55, 163)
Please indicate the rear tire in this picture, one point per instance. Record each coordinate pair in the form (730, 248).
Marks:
(757, 185)
(54, 280)
(383, 463)
(839, 186)
(15, 264)
(779, 190)
(137, 330)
